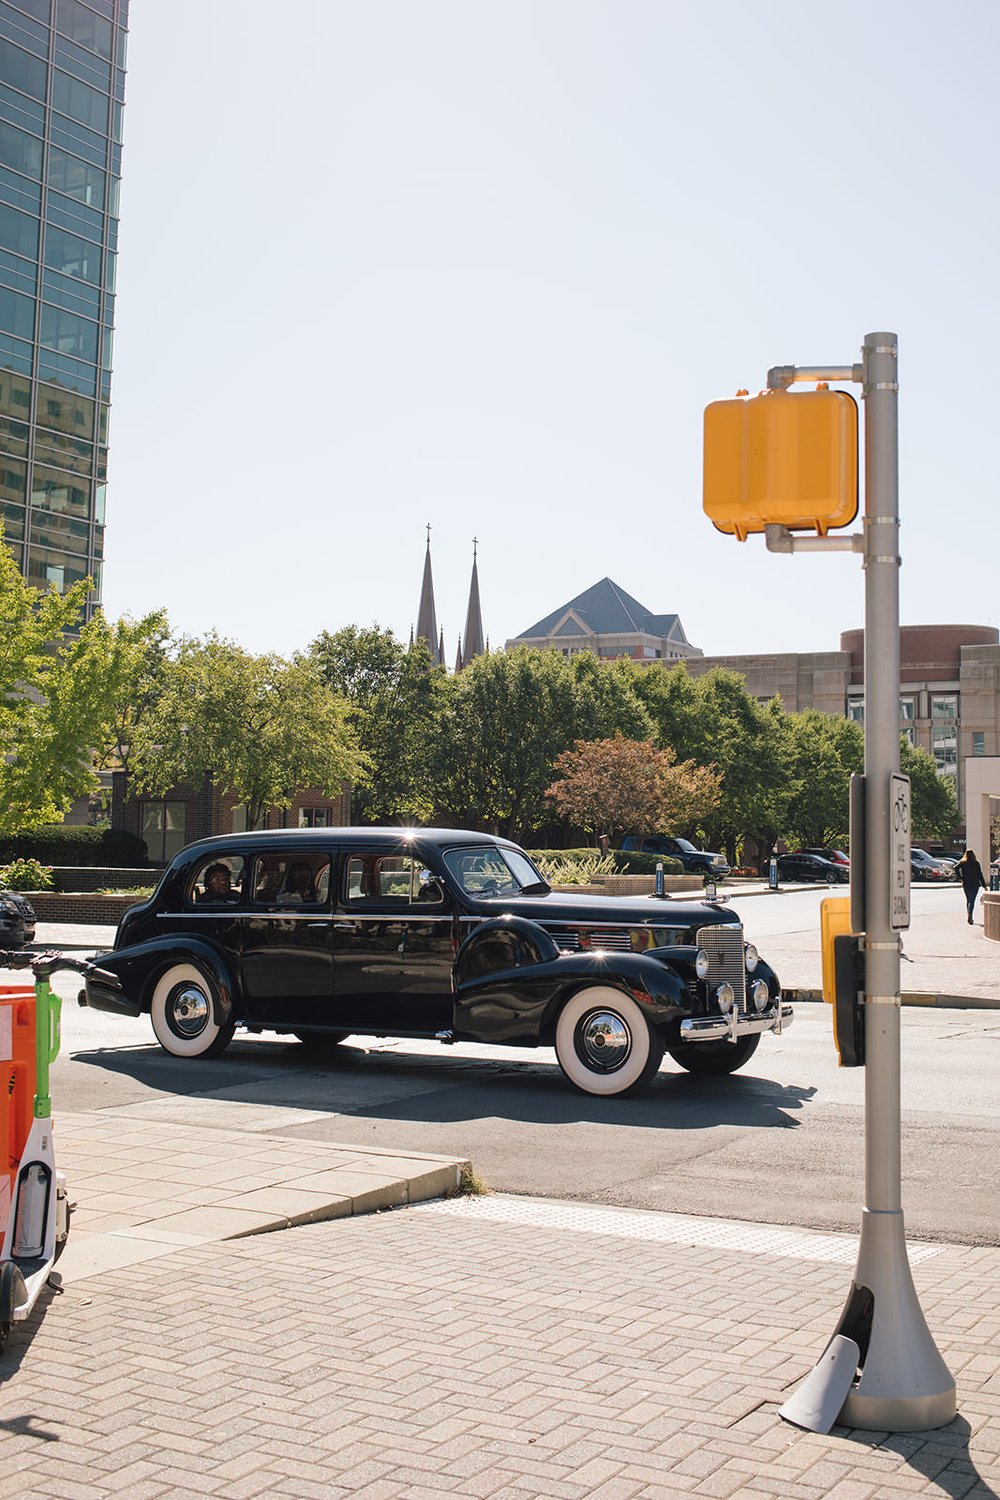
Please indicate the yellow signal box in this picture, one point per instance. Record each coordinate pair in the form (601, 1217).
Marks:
(842, 983)
(782, 458)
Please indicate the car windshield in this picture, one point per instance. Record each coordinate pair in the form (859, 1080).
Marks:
(493, 871)
(686, 845)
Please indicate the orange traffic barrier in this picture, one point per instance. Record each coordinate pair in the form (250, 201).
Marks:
(17, 1071)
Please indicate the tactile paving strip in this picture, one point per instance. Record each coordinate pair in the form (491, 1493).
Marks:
(665, 1228)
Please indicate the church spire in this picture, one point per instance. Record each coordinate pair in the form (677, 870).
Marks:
(427, 629)
(473, 636)
(459, 664)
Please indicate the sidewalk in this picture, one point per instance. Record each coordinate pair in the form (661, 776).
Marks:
(496, 1347)
(944, 960)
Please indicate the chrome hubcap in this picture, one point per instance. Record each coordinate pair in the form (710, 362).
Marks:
(604, 1041)
(188, 1011)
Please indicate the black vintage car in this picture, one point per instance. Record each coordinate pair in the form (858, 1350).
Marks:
(321, 933)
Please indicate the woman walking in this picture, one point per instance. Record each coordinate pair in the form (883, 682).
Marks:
(971, 872)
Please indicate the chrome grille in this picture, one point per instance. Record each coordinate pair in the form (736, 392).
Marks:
(726, 964)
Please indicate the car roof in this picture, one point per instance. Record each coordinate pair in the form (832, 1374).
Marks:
(323, 838)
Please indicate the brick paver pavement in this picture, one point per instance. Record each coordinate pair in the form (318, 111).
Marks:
(481, 1348)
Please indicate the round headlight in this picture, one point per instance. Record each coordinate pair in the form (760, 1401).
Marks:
(701, 962)
(725, 996)
(752, 958)
(760, 995)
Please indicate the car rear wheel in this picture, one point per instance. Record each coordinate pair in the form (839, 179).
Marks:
(716, 1057)
(604, 1043)
(184, 1011)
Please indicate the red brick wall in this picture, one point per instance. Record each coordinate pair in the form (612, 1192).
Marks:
(927, 653)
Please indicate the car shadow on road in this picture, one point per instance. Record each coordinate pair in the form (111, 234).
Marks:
(399, 1085)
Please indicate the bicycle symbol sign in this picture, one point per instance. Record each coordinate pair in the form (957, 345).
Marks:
(899, 852)
(901, 808)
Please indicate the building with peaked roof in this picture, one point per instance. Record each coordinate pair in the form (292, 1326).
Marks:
(609, 622)
(427, 628)
(475, 644)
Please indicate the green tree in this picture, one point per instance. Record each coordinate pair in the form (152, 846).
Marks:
(262, 727)
(395, 699)
(505, 719)
(52, 699)
(606, 702)
(612, 785)
(823, 752)
(933, 809)
(136, 661)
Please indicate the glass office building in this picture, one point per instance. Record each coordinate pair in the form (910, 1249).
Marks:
(62, 90)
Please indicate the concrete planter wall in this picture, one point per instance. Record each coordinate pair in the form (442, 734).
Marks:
(632, 885)
(101, 877)
(991, 915)
(89, 909)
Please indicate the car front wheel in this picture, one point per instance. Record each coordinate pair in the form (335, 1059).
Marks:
(716, 1057)
(183, 1011)
(604, 1043)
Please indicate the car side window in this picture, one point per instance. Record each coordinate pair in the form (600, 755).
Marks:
(218, 881)
(288, 878)
(394, 880)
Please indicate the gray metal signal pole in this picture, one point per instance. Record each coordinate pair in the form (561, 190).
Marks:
(881, 1369)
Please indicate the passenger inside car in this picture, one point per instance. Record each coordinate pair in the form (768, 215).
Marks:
(215, 885)
(299, 884)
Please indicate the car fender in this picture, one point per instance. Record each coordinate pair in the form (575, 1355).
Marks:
(511, 981)
(139, 967)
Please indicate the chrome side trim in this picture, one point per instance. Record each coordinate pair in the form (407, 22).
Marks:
(246, 916)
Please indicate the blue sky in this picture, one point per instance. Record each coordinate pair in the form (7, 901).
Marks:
(483, 265)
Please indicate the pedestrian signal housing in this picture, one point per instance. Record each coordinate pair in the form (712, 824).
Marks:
(782, 458)
(843, 979)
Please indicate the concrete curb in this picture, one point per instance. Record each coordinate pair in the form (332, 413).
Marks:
(911, 997)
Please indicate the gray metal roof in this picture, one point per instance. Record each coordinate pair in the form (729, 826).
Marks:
(606, 609)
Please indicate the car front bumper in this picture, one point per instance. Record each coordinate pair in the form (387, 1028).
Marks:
(730, 1028)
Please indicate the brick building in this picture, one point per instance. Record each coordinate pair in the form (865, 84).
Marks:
(168, 823)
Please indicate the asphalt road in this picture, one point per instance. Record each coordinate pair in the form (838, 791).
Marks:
(782, 1141)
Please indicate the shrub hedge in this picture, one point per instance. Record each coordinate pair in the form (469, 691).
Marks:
(627, 862)
(62, 844)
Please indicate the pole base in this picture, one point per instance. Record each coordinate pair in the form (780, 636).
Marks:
(905, 1384)
(900, 1382)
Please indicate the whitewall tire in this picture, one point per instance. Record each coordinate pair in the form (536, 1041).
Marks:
(184, 1013)
(604, 1043)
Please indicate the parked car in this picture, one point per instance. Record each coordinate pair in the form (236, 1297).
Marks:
(835, 856)
(695, 861)
(806, 866)
(321, 933)
(924, 866)
(17, 920)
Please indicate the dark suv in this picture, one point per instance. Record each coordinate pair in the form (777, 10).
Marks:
(17, 919)
(695, 861)
(320, 933)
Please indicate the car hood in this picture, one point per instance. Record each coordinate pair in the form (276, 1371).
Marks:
(642, 910)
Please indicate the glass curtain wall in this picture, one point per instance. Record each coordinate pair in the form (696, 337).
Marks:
(62, 92)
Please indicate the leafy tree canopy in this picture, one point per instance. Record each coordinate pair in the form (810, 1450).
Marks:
(612, 785)
(53, 706)
(394, 697)
(262, 727)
